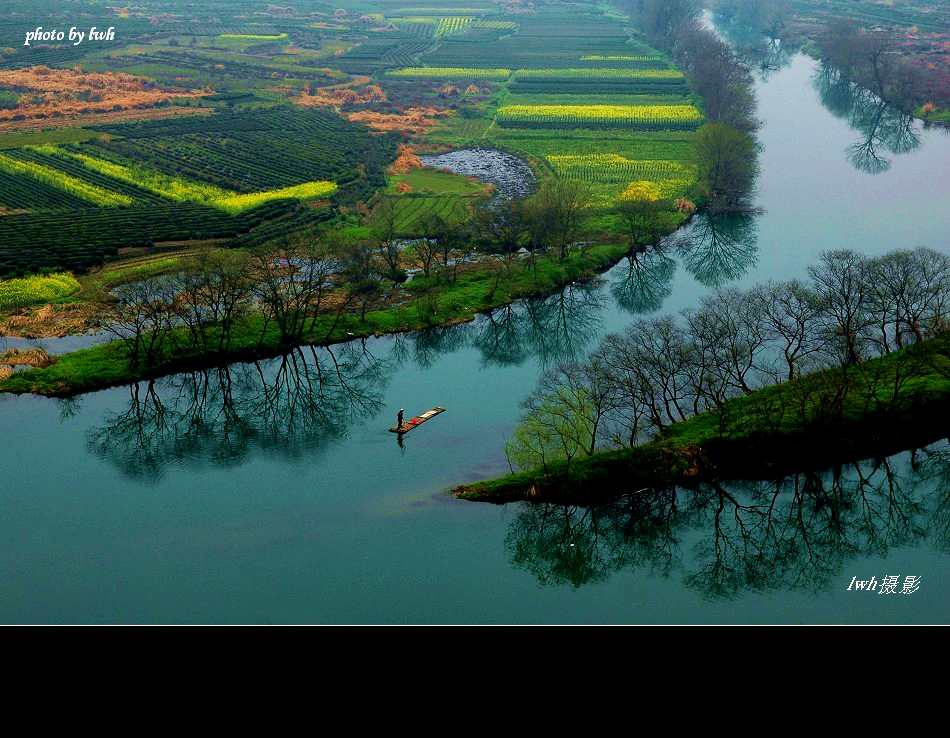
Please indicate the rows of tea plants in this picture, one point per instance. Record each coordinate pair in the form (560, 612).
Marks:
(384, 51)
(262, 150)
(53, 158)
(77, 240)
(22, 192)
(58, 179)
(303, 220)
(452, 25)
(494, 25)
(166, 187)
(548, 38)
(421, 27)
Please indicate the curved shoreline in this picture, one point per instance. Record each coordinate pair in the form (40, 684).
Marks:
(104, 366)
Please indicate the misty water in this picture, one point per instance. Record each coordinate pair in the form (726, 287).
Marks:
(274, 493)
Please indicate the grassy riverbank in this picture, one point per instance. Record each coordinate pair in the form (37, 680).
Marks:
(873, 409)
(430, 302)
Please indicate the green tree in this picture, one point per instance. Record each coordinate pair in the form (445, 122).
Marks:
(645, 221)
(728, 166)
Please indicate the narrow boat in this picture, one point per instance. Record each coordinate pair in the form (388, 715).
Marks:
(418, 420)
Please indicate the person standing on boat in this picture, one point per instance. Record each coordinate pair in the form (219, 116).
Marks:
(399, 418)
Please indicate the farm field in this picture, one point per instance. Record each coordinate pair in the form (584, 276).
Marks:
(563, 85)
(643, 117)
(258, 119)
(217, 176)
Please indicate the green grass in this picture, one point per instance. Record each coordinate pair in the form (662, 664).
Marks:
(458, 131)
(442, 303)
(433, 181)
(939, 115)
(413, 209)
(464, 73)
(591, 73)
(554, 98)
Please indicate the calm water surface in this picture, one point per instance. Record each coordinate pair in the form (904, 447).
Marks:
(275, 494)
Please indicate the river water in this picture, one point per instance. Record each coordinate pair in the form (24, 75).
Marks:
(276, 494)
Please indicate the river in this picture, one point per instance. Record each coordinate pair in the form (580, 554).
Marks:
(278, 495)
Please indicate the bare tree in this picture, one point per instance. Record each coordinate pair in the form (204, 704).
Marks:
(840, 280)
(790, 311)
(143, 318)
(384, 221)
(290, 283)
(213, 295)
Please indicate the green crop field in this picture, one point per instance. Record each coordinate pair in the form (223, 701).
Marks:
(434, 182)
(576, 94)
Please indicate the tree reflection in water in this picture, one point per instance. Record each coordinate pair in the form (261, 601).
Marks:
(306, 399)
(426, 346)
(767, 56)
(727, 539)
(717, 249)
(645, 281)
(884, 129)
(291, 405)
(756, 44)
(552, 329)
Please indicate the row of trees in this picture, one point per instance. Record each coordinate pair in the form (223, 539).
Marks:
(294, 285)
(549, 221)
(726, 148)
(764, 17)
(874, 58)
(204, 309)
(663, 370)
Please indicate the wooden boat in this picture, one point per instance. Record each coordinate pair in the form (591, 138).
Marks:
(418, 420)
